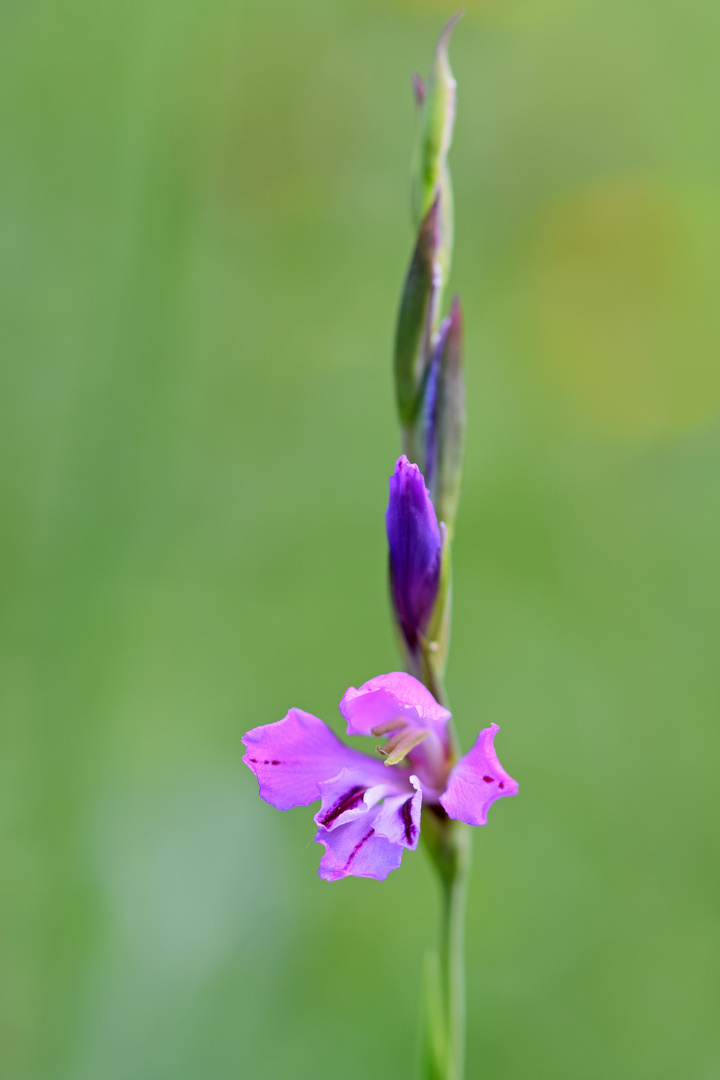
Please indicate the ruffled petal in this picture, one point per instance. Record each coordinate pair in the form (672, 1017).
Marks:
(476, 781)
(370, 840)
(399, 817)
(388, 697)
(292, 756)
(356, 850)
(353, 792)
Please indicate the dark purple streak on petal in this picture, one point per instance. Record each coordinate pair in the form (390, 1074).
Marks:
(356, 849)
(292, 756)
(347, 802)
(406, 815)
(477, 781)
(353, 853)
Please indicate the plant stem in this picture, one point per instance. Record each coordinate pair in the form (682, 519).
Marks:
(448, 845)
(452, 954)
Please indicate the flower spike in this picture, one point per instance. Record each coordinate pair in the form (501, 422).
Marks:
(372, 806)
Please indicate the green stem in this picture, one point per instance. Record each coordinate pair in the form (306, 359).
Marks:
(452, 959)
(448, 845)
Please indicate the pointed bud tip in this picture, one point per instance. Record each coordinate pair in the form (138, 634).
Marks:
(444, 39)
(408, 471)
(418, 89)
(456, 315)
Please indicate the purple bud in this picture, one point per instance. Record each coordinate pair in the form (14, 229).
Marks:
(415, 543)
(444, 417)
(418, 90)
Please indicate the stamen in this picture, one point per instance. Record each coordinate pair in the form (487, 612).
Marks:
(390, 744)
(396, 748)
(389, 725)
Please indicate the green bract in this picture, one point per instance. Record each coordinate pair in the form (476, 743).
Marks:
(445, 426)
(413, 335)
(430, 176)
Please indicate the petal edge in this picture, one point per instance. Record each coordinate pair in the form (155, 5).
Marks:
(292, 756)
(476, 781)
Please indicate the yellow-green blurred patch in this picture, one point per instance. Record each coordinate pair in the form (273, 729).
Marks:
(506, 12)
(620, 295)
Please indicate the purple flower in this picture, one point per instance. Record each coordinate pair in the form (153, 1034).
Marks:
(370, 811)
(415, 540)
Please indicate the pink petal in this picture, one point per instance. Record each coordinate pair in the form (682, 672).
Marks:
(387, 697)
(353, 792)
(371, 843)
(292, 756)
(356, 850)
(476, 781)
(399, 817)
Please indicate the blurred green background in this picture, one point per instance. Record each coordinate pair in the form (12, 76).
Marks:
(204, 226)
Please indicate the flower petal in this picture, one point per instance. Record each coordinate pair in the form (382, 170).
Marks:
(476, 781)
(356, 850)
(292, 756)
(389, 697)
(353, 792)
(369, 840)
(399, 817)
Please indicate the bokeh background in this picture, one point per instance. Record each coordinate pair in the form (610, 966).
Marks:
(203, 229)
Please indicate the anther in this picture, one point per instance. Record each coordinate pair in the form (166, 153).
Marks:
(396, 748)
(389, 725)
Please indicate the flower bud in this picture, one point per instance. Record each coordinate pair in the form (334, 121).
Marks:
(437, 118)
(416, 543)
(444, 407)
(415, 320)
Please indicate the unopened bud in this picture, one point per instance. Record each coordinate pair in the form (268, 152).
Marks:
(415, 320)
(437, 118)
(444, 408)
(415, 541)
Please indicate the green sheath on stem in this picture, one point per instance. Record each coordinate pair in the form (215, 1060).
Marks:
(445, 424)
(430, 176)
(415, 321)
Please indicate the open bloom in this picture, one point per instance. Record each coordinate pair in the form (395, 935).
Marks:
(370, 810)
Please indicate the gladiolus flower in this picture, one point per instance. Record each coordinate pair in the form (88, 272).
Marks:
(370, 810)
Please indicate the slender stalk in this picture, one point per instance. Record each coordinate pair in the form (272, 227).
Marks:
(431, 410)
(452, 959)
(448, 845)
